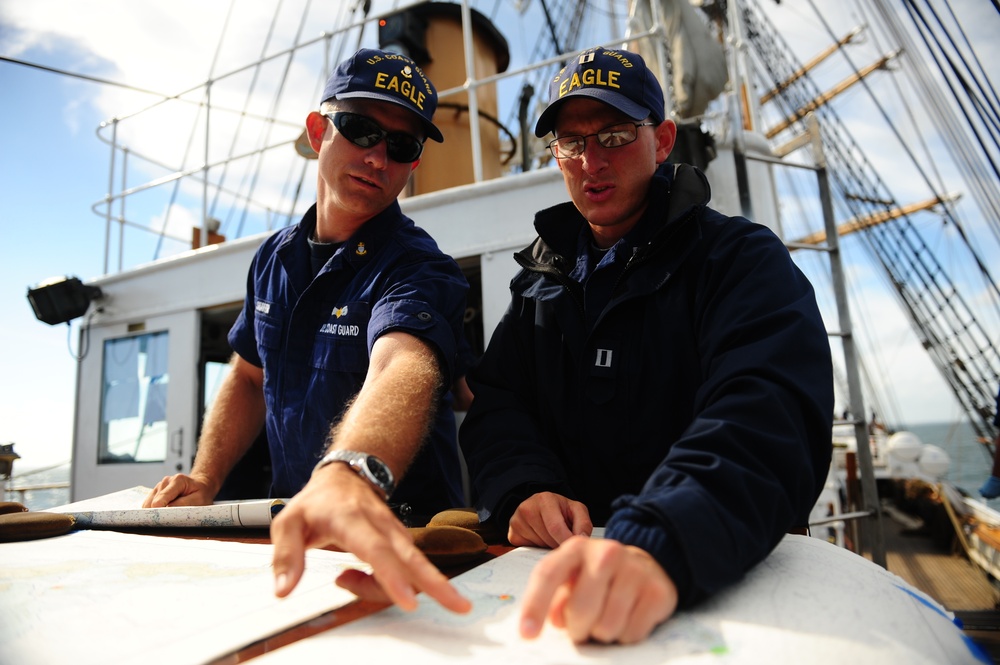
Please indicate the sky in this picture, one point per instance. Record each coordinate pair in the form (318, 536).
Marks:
(54, 170)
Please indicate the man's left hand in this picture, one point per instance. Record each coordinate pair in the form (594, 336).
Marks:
(598, 590)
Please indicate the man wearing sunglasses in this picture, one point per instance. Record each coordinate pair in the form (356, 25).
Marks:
(345, 346)
(662, 371)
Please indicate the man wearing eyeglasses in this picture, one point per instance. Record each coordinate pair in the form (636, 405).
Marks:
(344, 349)
(662, 371)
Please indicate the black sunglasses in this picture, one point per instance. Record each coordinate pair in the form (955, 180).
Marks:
(365, 132)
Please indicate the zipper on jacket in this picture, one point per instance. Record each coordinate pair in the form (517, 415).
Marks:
(642, 254)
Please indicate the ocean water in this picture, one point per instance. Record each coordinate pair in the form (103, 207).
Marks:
(38, 499)
(970, 460)
(970, 466)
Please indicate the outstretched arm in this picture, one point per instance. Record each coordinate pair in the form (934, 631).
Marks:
(389, 418)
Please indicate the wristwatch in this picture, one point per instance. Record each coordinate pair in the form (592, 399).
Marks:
(367, 466)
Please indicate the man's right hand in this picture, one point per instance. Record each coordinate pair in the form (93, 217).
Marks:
(179, 490)
(547, 519)
(338, 509)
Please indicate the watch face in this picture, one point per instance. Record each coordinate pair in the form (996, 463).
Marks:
(380, 472)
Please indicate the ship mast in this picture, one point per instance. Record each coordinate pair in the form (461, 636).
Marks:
(946, 324)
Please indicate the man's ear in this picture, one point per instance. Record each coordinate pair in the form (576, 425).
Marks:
(316, 126)
(666, 136)
(413, 165)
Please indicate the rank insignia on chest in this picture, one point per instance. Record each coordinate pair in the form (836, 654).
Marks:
(361, 251)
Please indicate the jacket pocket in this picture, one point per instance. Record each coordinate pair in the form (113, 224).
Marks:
(267, 324)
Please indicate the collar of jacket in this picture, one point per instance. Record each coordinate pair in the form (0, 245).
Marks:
(360, 247)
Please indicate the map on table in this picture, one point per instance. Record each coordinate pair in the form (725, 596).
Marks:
(809, 601)
(103, 597)
(124, 509)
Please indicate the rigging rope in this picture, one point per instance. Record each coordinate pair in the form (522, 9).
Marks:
(191, 137)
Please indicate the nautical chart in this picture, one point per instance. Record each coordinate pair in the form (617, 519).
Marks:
(104, 597)
(808, 602)
(124, 509)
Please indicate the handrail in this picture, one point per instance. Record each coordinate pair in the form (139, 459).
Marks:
(200, 173)
(856, 515)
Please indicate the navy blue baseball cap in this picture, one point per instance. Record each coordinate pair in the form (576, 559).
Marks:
(617, 78)
(389, 77)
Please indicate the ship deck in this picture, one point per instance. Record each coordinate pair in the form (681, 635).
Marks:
(948, 576)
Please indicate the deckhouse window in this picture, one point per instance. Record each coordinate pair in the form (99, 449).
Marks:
(134, 400)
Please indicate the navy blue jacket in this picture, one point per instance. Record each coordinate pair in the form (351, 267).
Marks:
(685, 395)
(313, 337)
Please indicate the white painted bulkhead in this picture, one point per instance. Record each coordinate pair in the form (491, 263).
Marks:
(721, 173)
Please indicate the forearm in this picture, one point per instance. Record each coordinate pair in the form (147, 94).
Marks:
(722, 498)
(506, 460)
(233, 422)
(392, 413)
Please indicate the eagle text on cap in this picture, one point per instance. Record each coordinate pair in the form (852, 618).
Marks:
(403, 86)
(599, 77)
